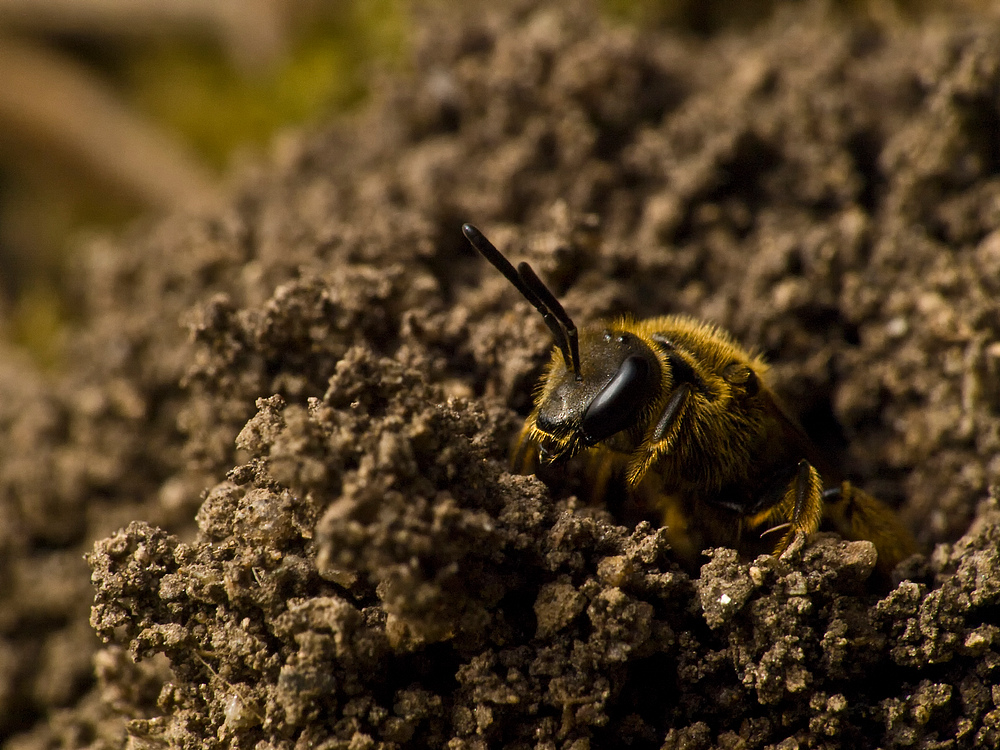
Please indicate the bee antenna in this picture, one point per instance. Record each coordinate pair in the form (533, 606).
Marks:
(535, 284)
(526, 281)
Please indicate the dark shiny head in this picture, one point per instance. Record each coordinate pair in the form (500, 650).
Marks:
(621, 378)
(583, 400)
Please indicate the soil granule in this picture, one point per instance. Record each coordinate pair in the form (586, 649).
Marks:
(285, 422)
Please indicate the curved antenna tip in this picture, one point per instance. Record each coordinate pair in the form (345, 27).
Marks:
(526, 281)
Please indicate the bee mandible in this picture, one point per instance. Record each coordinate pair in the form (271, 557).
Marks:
(686, 417)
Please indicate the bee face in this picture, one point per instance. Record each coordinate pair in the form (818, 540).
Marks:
(620, 377)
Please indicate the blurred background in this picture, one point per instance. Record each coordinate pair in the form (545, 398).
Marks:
(110, 109)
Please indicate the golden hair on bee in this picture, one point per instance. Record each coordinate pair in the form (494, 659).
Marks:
(685, 416)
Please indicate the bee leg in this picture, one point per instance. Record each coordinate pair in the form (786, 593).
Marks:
(602, 466)
(799, 510)
(524, 456)
(857, 515)
(664, 435)
(675, 520)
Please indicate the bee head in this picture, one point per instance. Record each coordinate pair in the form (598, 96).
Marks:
(580, 404)
(621, 377)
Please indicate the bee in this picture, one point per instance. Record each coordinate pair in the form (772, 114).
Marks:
(684, 416)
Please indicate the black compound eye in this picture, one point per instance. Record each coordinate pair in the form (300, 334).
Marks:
(619, 403)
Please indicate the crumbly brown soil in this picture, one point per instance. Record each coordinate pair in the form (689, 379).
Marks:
(284, 422)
